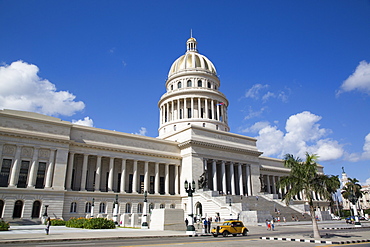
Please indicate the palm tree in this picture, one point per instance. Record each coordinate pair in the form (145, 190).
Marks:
(352, 192)
(304, 178)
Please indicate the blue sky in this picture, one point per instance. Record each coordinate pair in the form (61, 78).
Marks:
(296, 73)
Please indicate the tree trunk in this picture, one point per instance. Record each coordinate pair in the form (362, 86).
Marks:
(316, 233)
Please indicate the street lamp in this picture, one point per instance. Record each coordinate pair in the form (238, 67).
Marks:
(190, 189)
(92, 208)
(230, 208)
(353, 199)
(144, 225)
(115, 210)
(46, 211)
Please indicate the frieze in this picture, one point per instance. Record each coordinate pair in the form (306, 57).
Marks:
(27, 152)
(44, 153)
(9, 150)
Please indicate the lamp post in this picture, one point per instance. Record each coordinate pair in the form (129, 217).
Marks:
(353, 199)
(144, 225)
(190, 189)
(46, 211)
(231, 214)
(115, 210)
(92, 208)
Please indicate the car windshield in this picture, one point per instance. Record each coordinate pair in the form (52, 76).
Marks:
(227, 224)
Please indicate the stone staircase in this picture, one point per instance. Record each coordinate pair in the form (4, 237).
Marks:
(22, 222)
(250, 209)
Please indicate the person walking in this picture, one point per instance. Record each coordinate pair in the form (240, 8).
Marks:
(205, 223)
(272, 225)
(186, 222)
(48, 224)
(209, 225)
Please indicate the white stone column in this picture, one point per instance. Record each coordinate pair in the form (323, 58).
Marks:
(83, 175)
(98, 173)
(274, 185)
(110, 174)
(213, 109)
(206, 108)
(70, 170)
(146, 177)
(268, 184)
(240, 174)
(214, 175)
(177, 180)
(248, 178)
(232, 178)
(50, 170)
(15, 167)
(134, 178)
(156, 179)
(223, 171)
(199, 108)
(167, 179)
(33, 171)
(123, 176)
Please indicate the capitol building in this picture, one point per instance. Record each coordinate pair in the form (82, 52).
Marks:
(77, 171)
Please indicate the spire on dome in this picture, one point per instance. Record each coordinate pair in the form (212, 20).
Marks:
(191, 44)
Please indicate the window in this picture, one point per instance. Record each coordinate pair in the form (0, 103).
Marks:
(102, 208)
(4, 174)
(179, 84)
(172, 206)
(189, 112)
(1, 208)
(23, 173)
(199, 83)
(88, 207)
(215, 87)
(174, 127)
(151, 207)
(161, 206)
(204, 124)
(139, 208)
(209, 85)
(128, 208)
(172, 87)
(189, 83)
(40, 175)
(73, 207)
(36, 208)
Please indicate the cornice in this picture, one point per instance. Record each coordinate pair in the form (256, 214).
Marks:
(190, 143)
(34, 135)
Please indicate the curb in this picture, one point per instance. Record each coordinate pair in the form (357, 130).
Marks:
(343, 228)
(316, 241)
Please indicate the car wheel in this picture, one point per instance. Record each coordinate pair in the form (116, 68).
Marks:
(215, 235)
(245, 232)
(225, 234)
(234, 235)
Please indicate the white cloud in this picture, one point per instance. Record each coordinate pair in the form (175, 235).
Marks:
(22, 89)
(253, 114)
(259, 91)
(85, 122)
(359, 80)
(365, 155)
(253, 92)
(142, 131)
(302, 134)
(367, 182)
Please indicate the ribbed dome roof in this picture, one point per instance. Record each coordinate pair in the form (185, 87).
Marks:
(192, 60)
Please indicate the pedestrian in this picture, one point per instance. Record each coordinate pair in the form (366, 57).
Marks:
(272, 224)
(257, 198)
(284, 219)
(209, 225)
(205, 223)
(48, 224)
(268, 224)
(278, 219)
(186, 222)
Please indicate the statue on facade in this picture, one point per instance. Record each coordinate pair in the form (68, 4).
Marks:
(202, 181)
(263, 186)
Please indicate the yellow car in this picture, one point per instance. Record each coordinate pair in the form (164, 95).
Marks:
(233, 227)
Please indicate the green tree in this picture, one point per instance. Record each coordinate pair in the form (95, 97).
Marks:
(352, 188)
(304, 178)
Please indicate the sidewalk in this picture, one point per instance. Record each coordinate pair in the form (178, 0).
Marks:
(36, 233)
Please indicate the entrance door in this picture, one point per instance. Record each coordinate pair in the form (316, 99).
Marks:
(36, 209)
(18, 207)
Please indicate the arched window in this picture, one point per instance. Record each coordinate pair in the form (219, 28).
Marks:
(209, 85)
(139, 208)
(1, 208)
(204, 124)
(88, 207)
(36, 208)
(199, 83)
(151, 207)
(174, 127)
(172, 205)
(179, 84)
(73, 208)
(102, 208)
(215, 87)
(189, 83)
(172, 87)
(128, 208)
(18, 208)
(161, 206)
